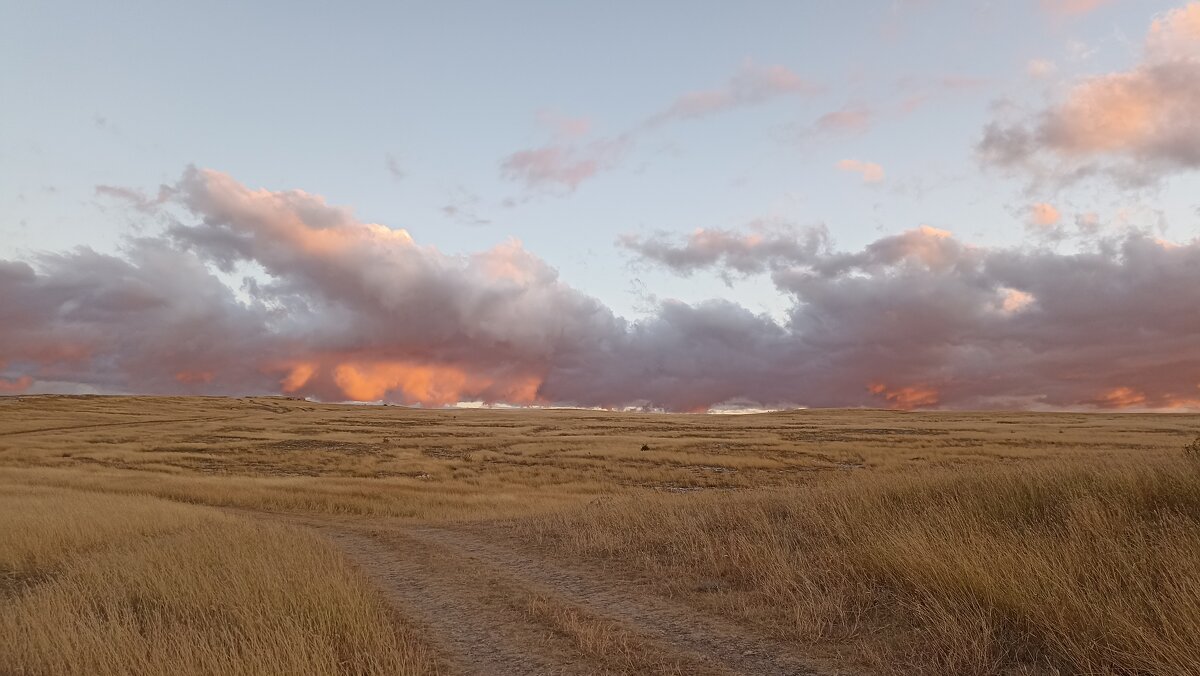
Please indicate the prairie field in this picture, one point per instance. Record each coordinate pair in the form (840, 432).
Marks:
(156, 535)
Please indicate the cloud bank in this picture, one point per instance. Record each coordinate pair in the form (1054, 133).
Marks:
(338, 309)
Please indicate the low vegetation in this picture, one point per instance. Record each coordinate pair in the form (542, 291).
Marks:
(138, 534)
(1057, 568)
(104, 584)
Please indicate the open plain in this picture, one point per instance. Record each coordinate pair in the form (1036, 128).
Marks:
(146, 535)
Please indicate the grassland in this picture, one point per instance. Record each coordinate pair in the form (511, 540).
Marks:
(278, 536)
(123, 584)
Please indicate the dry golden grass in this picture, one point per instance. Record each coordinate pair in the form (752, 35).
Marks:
(606, 642)
(102, 584)
(1058, 568)
(282, 454)
(935, 543)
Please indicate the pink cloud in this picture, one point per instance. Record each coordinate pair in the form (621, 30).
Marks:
(15, 385)
(1175, 34)
(1137, 125)
(752, 84)
(1072, 7)
(565, 126)
(563, 165)
(848, 120)
(870, 171)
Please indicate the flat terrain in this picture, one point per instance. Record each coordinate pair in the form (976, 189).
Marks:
(378, 539)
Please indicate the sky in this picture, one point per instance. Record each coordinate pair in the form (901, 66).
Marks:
(675, 205)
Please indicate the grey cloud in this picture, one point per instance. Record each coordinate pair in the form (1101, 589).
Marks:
(745, 253)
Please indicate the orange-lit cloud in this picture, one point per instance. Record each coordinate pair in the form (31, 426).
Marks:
(1186, 402)
(298, 375)
(1175, 34)
(1133, 398)
(1044, 215)
(1015, 300)
(906, 398)
(194, 377)
(363, 378)
(1111, 113)
(1121, 397)
(428, 384)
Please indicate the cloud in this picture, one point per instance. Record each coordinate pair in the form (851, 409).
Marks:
(743, 253)
(915, 93)
(851, 120)
(136, 199)
(1072, 7)
(1134, 126)
(921, 319)
(15, 385)
(568, 160)
(751, 85)
(463, 207)
(564, 126)
(393, 167)
(1045, 222)
(563, 166)
(1175, 34)
(783, 250)
(343, 309)
(1043, 214)
(1040, 68)
(870, 171)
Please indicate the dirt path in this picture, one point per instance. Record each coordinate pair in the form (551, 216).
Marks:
(494, 609)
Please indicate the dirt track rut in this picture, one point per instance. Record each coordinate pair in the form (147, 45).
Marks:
(472, 593)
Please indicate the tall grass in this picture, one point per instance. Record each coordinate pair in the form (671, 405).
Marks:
(1048, 568)
(103, 584)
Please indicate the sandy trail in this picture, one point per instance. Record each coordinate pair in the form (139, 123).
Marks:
(472, 591)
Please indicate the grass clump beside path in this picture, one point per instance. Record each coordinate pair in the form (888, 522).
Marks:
(121, 584)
